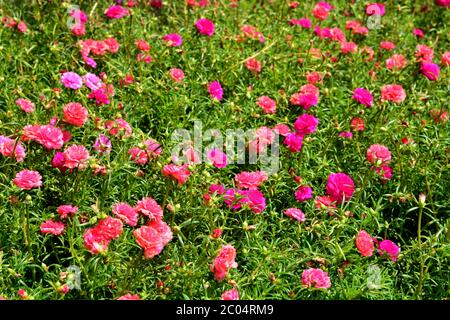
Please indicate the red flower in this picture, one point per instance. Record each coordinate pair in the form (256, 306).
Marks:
(364, 243)
(153, 237)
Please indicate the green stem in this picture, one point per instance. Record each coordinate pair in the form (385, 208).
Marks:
(419, 238)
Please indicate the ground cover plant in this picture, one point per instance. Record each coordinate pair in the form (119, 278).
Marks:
(224, 149)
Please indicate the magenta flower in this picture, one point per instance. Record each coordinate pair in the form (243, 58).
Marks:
(295, 213)
(316, 278)
(390, 248)
(375, 9)
(71, 80)
(430, 70)
(340, 187)
(217, 158)
(364, 243)
(174, 39)
(294, 141)
(116, 12)
(306, 124)
(215, 90)
(303, 193)
(52, 227)
(28, 179)
(205, 27)
(363, 96)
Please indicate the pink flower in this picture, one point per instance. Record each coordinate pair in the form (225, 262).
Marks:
(153, 237)
(314, 77)
(443, 3)
(253, 65)
(232, 294)
(349, 47)
(92, 81)
(445, 60)
(58, 161)
(52, 227)
(216, 188)
(78, 29)
(71, 80)
(321, 10)
(295, 213)
(252, 199)
(66, 210)
(75, 114)
(393, 92)
(49, 136)
(158, 4)
(346, 134)
(216, 233)
(116, 12)
(387, 45)
(150, 208)
(316, 278)
(102, 144)
(205, 27)
(25, 104)
(375, 9)
(129, 296)
(267, 104)
(12, 148)
(177, 75)
(264, 137)
(396, 62)
(126, 213)
(119, 126)
(142, 45)
(294, 141)
(218, 158)
(174, 39)
(306, 124)
(303, 193)
(22, 294)
(384, 171)
(340, 187)
(303, 22)
(179, 173)
(390, 248)
(28, 179)
(325, 203)
(357, 124)
(364, 243)
(97, 239)
(138, 155)
(223, 262)
(252, 33)
(76, 156)
(307, 97)
(250, 180)
(78, 15)
(378, 154)
(363, 96)
(282, 129)
(424, 53)
(430, 70)
(215, 90)
(192, 156)
(418, 32)
(110, 228)
(22, 27)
